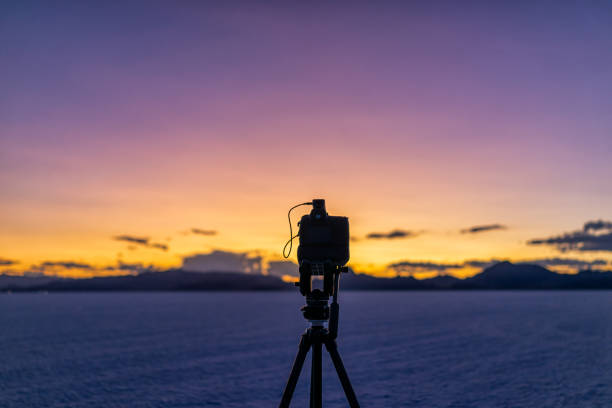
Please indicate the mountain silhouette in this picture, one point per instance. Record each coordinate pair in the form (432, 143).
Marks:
(171, 280)
(16, 282)
(503, 275)
(506, 275)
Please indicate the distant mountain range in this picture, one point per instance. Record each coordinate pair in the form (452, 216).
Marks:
(171, 280)
(503, 275)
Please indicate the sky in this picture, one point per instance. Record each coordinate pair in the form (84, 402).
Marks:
(142, 133)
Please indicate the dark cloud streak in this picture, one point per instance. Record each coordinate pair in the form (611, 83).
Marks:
(131, 238)
(199, 231)
(594, 236)
(163, 247)
(483, 228)
(8, 262)
(568, 262)
(66, 265)
(597, 225)
(143, 241)
(395, 234)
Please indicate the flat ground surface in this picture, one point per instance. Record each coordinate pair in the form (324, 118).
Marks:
(401, 349)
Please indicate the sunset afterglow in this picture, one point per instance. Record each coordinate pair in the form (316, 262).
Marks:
(187, 131)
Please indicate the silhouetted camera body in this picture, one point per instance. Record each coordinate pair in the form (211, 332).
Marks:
(323, 248)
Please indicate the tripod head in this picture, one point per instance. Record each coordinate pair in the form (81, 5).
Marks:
(317, 311)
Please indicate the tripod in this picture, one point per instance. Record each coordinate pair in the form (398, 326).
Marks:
(317, 312)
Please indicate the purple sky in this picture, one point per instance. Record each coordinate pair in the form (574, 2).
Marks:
(148, 118)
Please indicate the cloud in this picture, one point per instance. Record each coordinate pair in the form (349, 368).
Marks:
(408, 267)
(561, 264)
(65, 265)
(594, 236)
(7, 262)
(282, 268)
(223, 261)
(481, 263)
(80, 269)
(129, 238)
(143, 241)
(243, 262)
(483, 228)
(597, 226)
(571, 263)
(163, 247)
(129, 267)
(423, 266)
(57, 268)
(199, 231)
(395, 234)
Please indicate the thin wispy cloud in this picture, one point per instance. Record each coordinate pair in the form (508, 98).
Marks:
(66, 265)
(8, 262)
(156, 245)
(199, 231)
(142, 241)
(132, 239)
(483, 228)
(395, 234)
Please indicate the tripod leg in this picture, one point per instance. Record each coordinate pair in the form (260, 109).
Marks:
(332, 348)
(298, 363)
(316, 380)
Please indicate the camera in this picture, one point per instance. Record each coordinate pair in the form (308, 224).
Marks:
(322, 254)
(323, 248)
